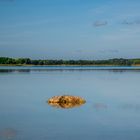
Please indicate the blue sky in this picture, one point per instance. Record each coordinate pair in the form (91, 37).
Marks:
(70, 29)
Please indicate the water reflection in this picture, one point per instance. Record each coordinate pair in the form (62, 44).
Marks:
(130, 106)
(65, 105)
(6, 69)
(8, 133)
(126, 106)
(100, 106)
(14, 70)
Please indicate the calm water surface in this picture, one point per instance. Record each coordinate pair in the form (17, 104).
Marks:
(112, 110)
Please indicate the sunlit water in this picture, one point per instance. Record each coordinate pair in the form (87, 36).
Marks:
(111, 111)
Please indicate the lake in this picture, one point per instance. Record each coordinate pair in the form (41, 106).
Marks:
(111, 111)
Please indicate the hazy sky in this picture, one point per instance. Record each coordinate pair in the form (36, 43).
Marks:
(70, 29)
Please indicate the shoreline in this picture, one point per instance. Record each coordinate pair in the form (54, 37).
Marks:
(26, 65)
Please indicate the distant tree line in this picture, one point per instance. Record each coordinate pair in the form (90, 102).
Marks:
(28, 61)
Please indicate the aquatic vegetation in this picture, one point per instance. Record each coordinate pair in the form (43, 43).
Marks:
(66, 101)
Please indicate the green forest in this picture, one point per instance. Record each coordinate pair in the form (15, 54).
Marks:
(28, 61)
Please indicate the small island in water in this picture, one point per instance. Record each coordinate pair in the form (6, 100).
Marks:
(29, 62)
